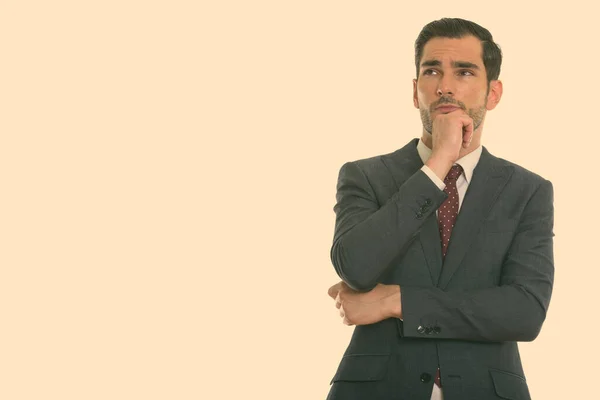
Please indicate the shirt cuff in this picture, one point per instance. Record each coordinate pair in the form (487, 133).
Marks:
(436, 179)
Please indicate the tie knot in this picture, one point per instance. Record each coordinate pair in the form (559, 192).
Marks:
(454, 172)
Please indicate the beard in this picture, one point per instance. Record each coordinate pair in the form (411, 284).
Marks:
(477, 114)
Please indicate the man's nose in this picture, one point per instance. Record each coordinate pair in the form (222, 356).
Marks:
(445, 86)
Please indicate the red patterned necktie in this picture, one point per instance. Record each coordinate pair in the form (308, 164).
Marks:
(448, 211)
(447, 214)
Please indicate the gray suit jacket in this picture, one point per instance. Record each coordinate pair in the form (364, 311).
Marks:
(466, 315)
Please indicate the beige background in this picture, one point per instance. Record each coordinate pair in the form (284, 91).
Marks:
(168, 171)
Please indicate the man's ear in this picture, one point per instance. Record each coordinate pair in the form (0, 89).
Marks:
(415, 97)
(494, 95)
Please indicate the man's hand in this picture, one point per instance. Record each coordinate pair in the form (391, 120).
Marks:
(366, 308)
(450, 133)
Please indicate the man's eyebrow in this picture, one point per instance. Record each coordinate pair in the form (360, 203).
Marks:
(464, 64)
(455, 64)
(431, 63)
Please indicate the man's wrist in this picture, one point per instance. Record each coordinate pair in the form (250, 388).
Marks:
(393, 303)
(439, 165)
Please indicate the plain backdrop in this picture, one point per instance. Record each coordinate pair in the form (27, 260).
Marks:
(168, 173)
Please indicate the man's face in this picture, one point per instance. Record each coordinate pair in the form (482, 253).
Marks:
(452, 72)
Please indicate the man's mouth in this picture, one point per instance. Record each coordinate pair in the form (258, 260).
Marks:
(447, 108)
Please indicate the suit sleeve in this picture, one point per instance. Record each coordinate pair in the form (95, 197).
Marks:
(368, 236)
(513, 311)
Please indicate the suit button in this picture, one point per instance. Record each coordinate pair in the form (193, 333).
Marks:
(425, 377)
(420, 329)
(437, 329)
(428, 330)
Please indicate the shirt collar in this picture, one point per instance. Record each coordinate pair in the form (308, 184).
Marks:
(468, 162)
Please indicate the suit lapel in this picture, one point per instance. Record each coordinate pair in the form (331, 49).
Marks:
(487, 182)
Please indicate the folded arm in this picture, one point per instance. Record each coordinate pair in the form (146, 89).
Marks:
(369, 236)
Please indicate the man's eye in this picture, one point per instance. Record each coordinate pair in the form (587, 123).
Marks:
(429, 72)
(466, 72)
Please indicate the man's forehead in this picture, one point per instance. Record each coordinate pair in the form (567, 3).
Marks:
(467, 48)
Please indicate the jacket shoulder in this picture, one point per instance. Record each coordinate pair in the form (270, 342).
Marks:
(377, 172)
(521, 172)
(371, 164)
(405, 157)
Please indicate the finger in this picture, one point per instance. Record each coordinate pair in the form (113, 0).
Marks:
(338, 304)
(332, 292)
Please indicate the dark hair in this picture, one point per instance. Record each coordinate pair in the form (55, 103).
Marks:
(458, 28)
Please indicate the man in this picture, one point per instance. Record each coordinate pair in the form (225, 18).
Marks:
(445, 251)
